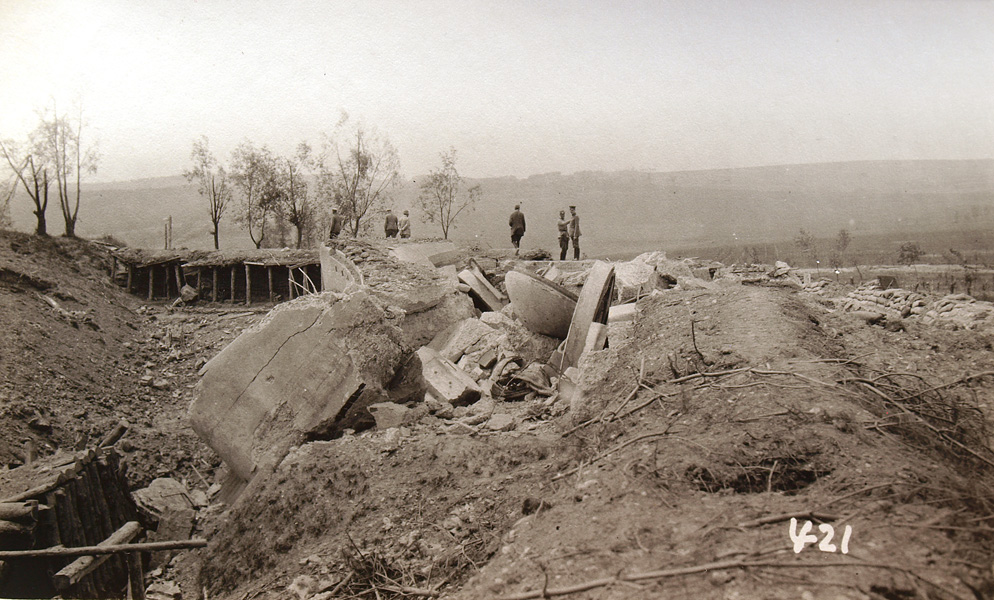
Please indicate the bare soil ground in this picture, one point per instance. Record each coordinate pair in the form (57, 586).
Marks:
(725, 411)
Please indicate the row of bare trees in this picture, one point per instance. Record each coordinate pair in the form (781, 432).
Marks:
(355, 170)
(280, 197)
(52, 153)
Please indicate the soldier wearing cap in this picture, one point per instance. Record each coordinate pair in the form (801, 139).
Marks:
(405, 225)
(573, 228)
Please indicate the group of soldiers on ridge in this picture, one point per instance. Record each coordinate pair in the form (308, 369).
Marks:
(569, 229)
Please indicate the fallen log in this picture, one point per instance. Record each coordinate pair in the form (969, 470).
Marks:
(84, 565)
(115, 434)
(21, 512)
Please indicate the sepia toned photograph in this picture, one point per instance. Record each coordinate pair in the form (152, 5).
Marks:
(589, 300)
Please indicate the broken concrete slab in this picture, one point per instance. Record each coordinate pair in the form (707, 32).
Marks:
(338, 273)
(169, 502)
(596, 338)
(454, 341)
(431, 254)
(592, 307)
(481, 289)
(293, 372)
(446, 381)
(542, 305)
(517, 339)
(420, 327)
(621, 313)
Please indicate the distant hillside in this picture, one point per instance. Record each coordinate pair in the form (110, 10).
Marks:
(622, 212)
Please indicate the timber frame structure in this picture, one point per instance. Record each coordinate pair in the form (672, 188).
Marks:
(246, 276)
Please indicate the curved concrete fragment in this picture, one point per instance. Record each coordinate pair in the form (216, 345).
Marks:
(542, 305)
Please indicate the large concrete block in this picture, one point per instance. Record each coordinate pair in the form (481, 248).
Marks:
(291, 373)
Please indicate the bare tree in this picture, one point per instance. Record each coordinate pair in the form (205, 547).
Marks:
(357, 169)
(29, 169)
(213, 183)
(289, 195)
(63, 137)
(439, 197)
(252, 171)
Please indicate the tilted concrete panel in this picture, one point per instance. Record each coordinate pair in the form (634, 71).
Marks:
(290, 374)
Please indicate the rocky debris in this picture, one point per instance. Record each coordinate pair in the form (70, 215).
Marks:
(445, 381)
(169, 504)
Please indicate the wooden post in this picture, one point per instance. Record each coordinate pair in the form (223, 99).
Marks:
(136, 579)
(179, 279)
(151, 281)
(248, 286)
(113, 268)
(232, 284)
(214, 280)
(289, 282)
(131, 276)
(200, 283)
(269, 274)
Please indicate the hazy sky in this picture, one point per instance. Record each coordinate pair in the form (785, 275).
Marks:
(516, 87)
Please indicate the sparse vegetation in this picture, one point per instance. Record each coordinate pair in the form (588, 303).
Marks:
(212, 180)
(358, 169)
(439, 197)
(909, 253)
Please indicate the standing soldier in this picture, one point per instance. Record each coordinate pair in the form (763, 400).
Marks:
(336, 224)
(517, 224)
(391, 227)
(563, 235)
(405, 225)
(574, 232)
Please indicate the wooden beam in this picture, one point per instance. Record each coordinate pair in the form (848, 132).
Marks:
(232, 284)
(86, 564)
(131, 276)
(248, 286)
(179, 278)
(289, 282)
(102, 550)
(269, 274)
(214, 281)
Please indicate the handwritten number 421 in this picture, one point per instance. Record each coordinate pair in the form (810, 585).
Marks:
(804, 538)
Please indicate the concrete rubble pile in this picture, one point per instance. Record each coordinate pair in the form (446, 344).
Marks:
(403, 342)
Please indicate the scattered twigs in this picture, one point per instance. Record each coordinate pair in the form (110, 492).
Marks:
(801, 514)
(737, 563)
(612, 450)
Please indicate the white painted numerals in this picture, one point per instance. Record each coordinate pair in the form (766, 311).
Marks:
(805, 537)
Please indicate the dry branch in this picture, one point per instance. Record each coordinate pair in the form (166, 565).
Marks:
(738, 563)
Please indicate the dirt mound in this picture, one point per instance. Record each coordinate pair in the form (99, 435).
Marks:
(726, 414)
(79, 354)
